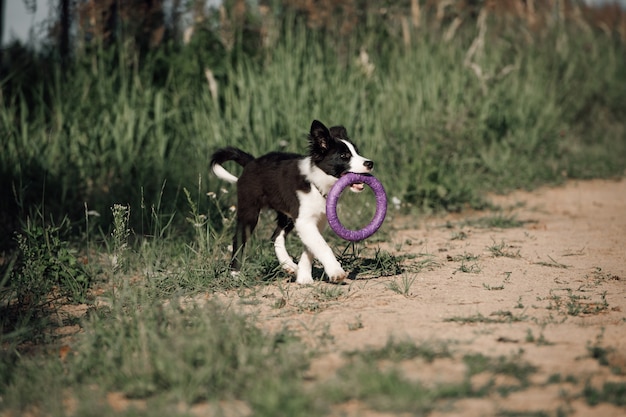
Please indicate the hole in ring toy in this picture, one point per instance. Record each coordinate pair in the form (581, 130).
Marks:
(333, 197)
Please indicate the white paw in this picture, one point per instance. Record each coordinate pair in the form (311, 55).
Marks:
(337, 275)
(304, 279)
(290, 268)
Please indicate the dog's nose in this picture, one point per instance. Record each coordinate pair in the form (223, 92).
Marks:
(368, 164)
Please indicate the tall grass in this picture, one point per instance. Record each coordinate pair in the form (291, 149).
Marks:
(114, 129)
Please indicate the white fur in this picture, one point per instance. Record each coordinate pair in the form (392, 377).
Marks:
(221, 172)
(309, 224)
(284, 259)
(321, 180)
(357, 161)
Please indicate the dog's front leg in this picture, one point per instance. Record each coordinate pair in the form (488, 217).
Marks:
(308, 230)
(305, 268)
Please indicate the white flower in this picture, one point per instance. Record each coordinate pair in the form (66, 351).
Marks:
(396, 202)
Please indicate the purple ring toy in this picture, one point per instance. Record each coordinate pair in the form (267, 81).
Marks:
(333, 197)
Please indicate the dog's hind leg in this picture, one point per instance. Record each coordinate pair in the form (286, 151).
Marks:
(285, 225)
(246, 222)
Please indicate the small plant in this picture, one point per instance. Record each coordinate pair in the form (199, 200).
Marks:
(539, 341)
(402, 286)
(604, 355)
(121, 232)
(397, 351)
(611, 392)
(200, 225)
(357, 324)
(472, 268)
(458, 235)
(552, 263)
(383, 263)
(499, 221)
(576, 305)
(495, 317)
(513, 366)
(503, 250)
(501, 286)
(463, 257)
(47, 267)
(326, 292)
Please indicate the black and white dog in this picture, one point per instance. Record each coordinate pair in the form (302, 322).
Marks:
(295, 186)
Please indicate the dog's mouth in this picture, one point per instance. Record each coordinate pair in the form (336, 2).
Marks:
(357, 187)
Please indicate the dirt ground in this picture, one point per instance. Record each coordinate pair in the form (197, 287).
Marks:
(551, 290)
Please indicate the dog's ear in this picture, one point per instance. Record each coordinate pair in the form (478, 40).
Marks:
(339, 132)
(319, 137)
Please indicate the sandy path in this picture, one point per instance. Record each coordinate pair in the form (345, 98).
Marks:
(547, 290)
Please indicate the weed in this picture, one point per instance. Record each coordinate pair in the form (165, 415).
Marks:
(513, 366)
(540, 341)
(403, 286)
(47, 267)
(506, 280)
(604, 355)
(495, 317)
(463, 257)
(356, 324)
(576, 305)
(507, 413)
(473, 268)
(121, 232)
(397, 351)
(493, 288)
(552, 263)
(503, 250)
(382, 264)
(611, 392)
(499, 221)
(325, 293)
(458, 235)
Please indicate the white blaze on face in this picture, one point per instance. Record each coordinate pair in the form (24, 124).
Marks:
(357, 165)
(357, 162)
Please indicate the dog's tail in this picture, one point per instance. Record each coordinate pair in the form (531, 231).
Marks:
(229, 154)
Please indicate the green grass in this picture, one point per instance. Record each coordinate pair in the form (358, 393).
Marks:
(499, 220)
(611, 392)
(168, 353)
(495, 317)
(503, 249)
(398, 351)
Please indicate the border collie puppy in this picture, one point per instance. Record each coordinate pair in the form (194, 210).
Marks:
(295, 186)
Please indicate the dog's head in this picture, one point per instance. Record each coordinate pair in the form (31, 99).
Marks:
(332, 151)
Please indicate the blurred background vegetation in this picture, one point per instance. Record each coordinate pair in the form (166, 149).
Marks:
(124, 101)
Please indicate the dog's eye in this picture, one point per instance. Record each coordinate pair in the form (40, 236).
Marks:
(345, 156)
